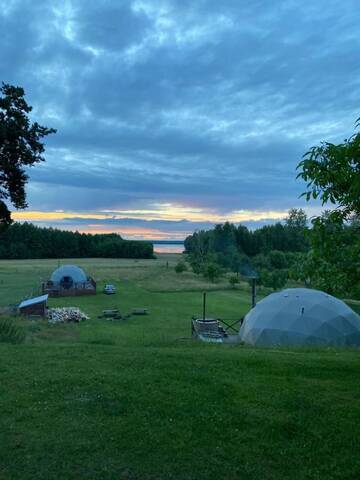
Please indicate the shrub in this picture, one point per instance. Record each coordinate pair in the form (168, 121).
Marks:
(9, 332)
(211, 271)
(233, 280)
(180, 267)
(277, 259)
(276, 279)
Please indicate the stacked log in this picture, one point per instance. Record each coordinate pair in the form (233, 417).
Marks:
(65, 315)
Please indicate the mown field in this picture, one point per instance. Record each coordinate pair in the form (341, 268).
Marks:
(140, 400)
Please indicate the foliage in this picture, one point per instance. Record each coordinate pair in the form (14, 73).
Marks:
(277, 259)
(28, 241)
(333, 263)
(298, 270)
(20, 147)
(233, 280)
(273, 249)
(333, 174)
(275, 279)
(231, 243)
(211, 271)
(180, 267)
(198, 245)
(9, 332)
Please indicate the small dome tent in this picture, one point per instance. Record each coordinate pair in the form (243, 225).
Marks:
(68, 274)
(301, 316)
(69, 280)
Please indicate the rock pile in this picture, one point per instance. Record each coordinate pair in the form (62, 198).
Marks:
(66, 314)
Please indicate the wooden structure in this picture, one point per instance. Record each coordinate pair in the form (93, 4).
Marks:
(207, 329)
(215, 330)
(34, 306)
(69, 281)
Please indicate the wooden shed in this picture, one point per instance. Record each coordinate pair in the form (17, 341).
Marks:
(34, 306)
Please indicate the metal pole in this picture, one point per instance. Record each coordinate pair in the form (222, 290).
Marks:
(204, 305)
(253, 293)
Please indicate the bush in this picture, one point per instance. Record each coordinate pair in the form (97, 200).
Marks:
(277, 259)
(9, 332)
(233, 280)
(261, 261)
(211, 271)
(180, 267)
(276, 279)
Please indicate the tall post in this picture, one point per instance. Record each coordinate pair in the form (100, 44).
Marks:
(253, 292)
(204, 305)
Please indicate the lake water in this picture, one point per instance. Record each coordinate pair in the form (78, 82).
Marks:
(168, 248)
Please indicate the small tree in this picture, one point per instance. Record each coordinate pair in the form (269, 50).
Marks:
(20, 146)
(180, 267)
(276, 279)
(211, 271)
(277, 259)
(279, 279)
(233, 280)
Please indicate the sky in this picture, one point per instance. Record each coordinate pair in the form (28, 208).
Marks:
(173, 115)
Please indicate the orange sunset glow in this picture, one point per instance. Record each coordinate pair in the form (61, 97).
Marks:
(95, 222)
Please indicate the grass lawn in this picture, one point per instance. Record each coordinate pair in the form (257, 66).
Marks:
(139, 400)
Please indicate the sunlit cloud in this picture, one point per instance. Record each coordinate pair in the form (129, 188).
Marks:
(163, 221)
(37, 216)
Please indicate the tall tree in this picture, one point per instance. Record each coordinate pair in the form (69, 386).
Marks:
(332, 173)
(296, 218)
(20, 147)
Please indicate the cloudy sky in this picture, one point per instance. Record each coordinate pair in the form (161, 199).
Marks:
(175, 114)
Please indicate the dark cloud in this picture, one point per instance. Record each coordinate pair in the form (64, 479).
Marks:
(109, 25)
(203, 103)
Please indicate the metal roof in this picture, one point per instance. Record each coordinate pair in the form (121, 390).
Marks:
(33, 301)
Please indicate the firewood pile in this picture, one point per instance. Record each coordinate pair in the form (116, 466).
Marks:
(65, 315)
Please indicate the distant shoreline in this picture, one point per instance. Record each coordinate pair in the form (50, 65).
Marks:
(163, 246)
(166, 242)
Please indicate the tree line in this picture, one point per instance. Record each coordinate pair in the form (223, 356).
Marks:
(267, 253)
(25, 240)
(322, 254)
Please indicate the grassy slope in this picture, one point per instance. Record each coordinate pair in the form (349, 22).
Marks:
(138, 400)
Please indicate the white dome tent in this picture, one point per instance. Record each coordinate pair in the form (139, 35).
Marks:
(301, 316)
(69, 280)
(68, 275)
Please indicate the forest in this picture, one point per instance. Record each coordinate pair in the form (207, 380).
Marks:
(321, 253)
(21, 241)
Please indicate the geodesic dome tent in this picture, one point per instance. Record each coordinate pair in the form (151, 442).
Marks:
(69, 280)
(301, 316)
(68, 274)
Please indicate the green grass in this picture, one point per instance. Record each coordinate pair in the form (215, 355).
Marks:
(139, 400)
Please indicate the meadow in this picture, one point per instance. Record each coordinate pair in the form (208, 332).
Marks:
(139, 399)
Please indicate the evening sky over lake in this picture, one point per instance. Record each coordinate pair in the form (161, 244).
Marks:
(173, 115)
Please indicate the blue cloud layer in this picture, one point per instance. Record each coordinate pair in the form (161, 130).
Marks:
(200, 103)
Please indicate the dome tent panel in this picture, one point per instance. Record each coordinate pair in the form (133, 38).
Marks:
(300, 316)
(70, 272)
(353, 339)
(344, 324)
(326, 331)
